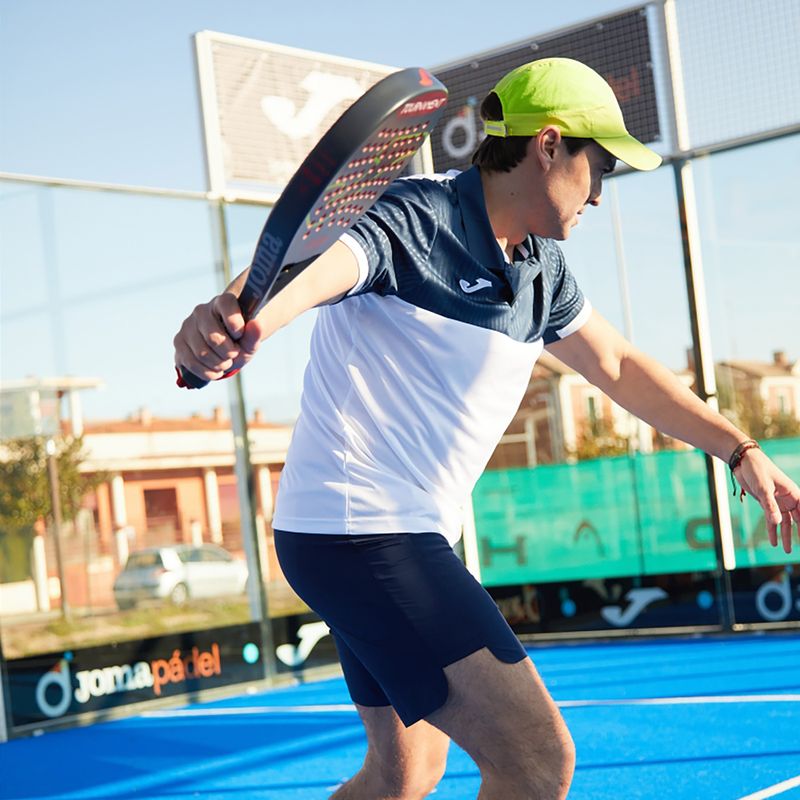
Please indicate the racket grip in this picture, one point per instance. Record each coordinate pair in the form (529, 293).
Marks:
(188, 380)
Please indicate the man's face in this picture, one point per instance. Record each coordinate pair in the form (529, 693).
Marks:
(571, 183)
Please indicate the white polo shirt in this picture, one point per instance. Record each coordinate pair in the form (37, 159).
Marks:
(416, 374)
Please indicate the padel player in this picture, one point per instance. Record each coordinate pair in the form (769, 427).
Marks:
(434, 308)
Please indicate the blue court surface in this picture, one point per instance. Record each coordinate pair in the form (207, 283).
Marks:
(693, 719)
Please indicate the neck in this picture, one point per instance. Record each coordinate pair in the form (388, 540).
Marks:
(503, 205)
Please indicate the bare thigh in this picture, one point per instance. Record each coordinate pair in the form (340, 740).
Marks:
(504, 717)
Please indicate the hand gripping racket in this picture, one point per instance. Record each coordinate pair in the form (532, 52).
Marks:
(347, 171)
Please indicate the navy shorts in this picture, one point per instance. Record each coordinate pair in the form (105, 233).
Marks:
(401, 607)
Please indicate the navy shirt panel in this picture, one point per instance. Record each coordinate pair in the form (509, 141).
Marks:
(430, 242)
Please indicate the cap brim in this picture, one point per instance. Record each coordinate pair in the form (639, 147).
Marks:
(631, 151)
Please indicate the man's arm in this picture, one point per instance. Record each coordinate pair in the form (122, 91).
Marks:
(649, 390)
(214, 338)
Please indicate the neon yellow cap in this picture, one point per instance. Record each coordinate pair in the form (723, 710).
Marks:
(574, 98)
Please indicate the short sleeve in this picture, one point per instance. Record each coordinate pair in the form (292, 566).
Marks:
(569, 309)
(393, 240)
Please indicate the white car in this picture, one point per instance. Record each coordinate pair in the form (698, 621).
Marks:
(179, 572)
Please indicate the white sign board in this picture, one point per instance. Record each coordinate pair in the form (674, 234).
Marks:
(28, 412)
(265, 106)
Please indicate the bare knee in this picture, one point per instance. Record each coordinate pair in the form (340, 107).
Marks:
(503, 716)
(407, 779)
(543, 770)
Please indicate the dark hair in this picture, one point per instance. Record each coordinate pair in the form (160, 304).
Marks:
(502, 154)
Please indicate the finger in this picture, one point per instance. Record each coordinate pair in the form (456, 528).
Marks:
(772, 533)
(248, 344)
(226, 306)
(204, 334)
(214, 330)
(200, 351)
(218, 341)
(251, 337)
(786, 532)
(772, 512)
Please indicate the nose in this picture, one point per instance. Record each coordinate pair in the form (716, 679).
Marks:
(594, 194)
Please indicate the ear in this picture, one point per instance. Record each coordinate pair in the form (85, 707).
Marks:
(545, 145)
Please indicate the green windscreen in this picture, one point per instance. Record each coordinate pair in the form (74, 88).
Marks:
(613, 517)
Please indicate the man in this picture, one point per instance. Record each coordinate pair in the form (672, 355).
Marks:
(435, 307)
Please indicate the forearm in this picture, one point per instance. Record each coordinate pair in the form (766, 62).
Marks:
(646, 388)
(653, 393)
(327, 279)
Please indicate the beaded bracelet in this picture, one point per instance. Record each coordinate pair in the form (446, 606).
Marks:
(736, 459)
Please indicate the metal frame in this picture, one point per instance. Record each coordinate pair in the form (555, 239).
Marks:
(5, 708)
(698, 307)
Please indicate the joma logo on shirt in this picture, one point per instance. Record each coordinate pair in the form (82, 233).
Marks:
(481, 283)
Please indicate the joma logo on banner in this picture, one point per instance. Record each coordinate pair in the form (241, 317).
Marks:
(325, 92)
(265, 106)
(56, 689)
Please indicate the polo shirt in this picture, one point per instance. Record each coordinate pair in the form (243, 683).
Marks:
(415, 375)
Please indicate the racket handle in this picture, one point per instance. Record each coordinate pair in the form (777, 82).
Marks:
(188, 380)
(250, 300)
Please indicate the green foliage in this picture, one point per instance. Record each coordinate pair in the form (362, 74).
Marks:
(748, 413)
(599, 440)
(25, 485)
(15, 554)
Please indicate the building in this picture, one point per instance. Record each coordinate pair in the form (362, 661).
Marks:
(561, 411)
(163, 481)
(772, 386)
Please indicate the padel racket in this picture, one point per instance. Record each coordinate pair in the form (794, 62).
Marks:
(347, 171)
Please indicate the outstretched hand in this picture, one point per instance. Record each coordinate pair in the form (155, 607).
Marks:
(777, 494)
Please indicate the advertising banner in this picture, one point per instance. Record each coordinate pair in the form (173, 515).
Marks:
(611, 604)
(625, 543)
(55, 686)
(620, 516)
(618, 47)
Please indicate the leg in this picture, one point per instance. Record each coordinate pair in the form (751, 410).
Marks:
(503, 716)
(401, 763)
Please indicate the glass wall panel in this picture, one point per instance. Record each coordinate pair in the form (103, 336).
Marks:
(273, 383)
(747, 202)
(143, 539)
(588, 518)
(741, 67)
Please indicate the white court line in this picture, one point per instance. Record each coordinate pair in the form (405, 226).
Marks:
(771, 791)
(339, 707)
(677, 701)
(233, 711)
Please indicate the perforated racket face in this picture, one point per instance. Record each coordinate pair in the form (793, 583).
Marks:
(350, 168)
(358, 184)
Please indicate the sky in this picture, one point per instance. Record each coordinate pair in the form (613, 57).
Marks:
(96, 284)
(105, 91)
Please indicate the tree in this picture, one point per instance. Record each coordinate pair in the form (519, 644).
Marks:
(25, 494)
(598, 439)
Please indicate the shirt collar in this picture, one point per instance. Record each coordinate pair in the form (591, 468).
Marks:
(480, 237)
(477, 228)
